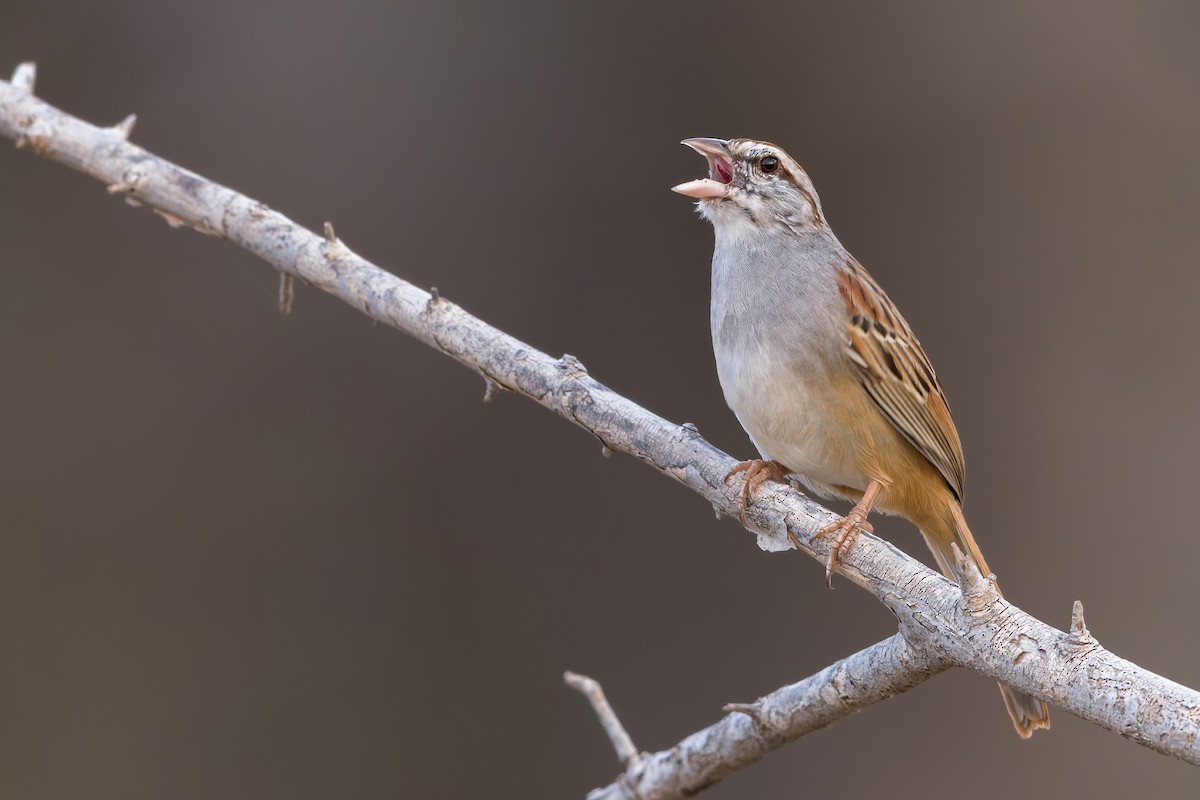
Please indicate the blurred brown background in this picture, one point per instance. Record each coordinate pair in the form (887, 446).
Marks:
(249, 556)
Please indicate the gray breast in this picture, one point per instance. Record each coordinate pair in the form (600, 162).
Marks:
(778, 330)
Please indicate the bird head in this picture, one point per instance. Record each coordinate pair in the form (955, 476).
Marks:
(751, 181)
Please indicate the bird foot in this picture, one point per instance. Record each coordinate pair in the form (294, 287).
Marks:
(845, 531)
(757, 472)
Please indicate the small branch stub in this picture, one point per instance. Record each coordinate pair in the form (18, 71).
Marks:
(124, 128)
(435, 300)
(1079, 635)
(24, 76)
(171, 220)
(129, 182)
(490, 389)
(752, 710)
(621, 742)
(571, 365)
(978, 592)
(334, 248)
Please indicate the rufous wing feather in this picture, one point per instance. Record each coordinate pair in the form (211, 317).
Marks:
(897, 375)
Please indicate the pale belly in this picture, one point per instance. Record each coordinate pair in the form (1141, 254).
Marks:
(795, 418)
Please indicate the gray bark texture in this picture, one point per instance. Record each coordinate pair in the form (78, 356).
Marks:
(940, 625)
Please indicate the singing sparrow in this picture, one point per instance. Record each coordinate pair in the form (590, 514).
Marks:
(820, 368)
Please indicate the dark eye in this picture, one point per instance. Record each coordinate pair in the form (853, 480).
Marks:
(768, 164)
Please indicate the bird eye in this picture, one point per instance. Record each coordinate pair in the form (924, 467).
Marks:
(768, 164)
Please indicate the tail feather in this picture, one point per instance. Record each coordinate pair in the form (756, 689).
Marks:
(966, 542)
(1028, 713)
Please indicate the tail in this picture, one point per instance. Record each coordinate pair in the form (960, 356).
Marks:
(1028, 713)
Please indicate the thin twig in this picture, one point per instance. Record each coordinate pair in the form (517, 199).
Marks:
(751, 731)
(590, 688)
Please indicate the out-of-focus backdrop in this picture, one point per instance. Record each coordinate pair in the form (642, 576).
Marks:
(243, 555)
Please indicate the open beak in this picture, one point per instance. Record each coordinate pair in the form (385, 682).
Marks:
(720, 170)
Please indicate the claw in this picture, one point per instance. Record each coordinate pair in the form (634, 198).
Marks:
(847, 529)
(757, 472)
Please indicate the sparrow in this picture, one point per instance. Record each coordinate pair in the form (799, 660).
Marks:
(822, 371)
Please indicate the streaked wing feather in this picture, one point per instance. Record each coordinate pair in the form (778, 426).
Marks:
(897, 375)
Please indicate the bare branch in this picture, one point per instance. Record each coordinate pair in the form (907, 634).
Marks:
(621, 742)
(980, 631)
(751, 730)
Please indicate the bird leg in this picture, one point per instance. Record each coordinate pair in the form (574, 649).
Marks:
(757, 472)
(847, 529)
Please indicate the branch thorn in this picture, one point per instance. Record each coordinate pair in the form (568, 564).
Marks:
(435, 299)
(1079, 635)
(621, 742)
(125, 127)
(605, 451)
(752, 710)
(571, 364)
(490, 389)
(129, 182)
(24, 76)
(978, 592)
(334, 249)
(172, 220)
